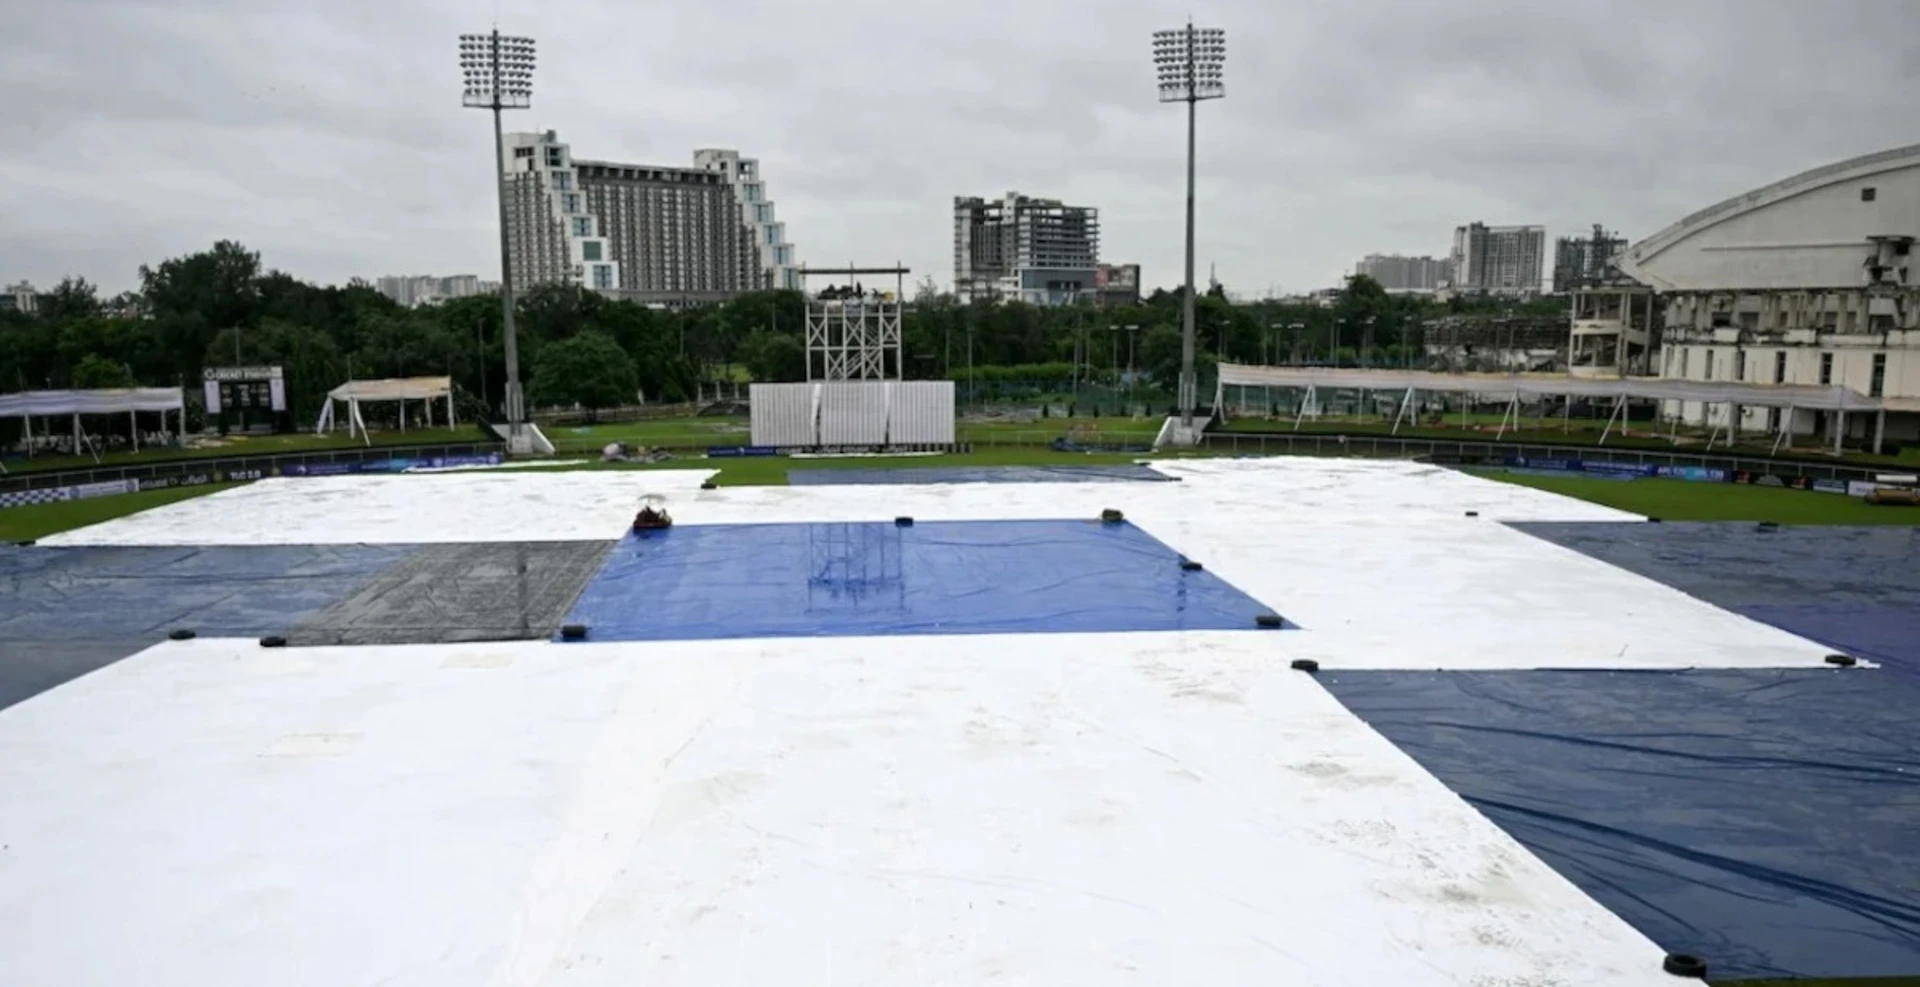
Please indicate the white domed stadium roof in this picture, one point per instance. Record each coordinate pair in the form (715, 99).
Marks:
(1808, 231)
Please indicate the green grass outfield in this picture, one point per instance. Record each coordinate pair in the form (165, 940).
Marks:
(252, 445)
(771, 471)
(1685, 500)
(40, 520)
(695, 433)
(1483, 428)
(1677, 500)
(699, 432)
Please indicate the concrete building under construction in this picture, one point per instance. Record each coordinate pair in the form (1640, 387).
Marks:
(1021, 248)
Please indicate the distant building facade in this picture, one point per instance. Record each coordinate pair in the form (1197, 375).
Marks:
(1116, 284)
(1497, 260)
(1021, 248)
(428, 289)
(1585, 262)
(658, 235)
(1404, 274)
(21, 297)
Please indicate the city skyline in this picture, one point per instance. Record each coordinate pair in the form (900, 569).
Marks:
(327, 128)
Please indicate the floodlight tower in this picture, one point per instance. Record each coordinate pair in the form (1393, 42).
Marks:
(1191, 63)
(499, 76)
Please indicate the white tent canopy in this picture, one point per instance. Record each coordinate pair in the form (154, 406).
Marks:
(1735, 394)
(48, 404)
(130, 401)
(1807, 396)
(354, 393)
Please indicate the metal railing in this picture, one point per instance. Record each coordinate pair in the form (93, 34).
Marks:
(259, 464)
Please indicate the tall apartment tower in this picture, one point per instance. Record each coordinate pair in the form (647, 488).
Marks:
(1409, 274)
(1021, 248)
(658, 235)
(1498, 260)
(773, 252)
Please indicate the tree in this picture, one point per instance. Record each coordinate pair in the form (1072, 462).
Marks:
(95, 372)
(556, 311)
(311, 362)
(770, 356)
(589, 370)
(220, 285)
(72, 298)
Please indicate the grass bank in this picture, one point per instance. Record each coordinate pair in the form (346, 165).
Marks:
(1683, 500)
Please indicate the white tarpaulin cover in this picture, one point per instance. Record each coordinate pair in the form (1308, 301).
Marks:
(105, 402)
(1806, 396)
(393, 389)
(1100, 809)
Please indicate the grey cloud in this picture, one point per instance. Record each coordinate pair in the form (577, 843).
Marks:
(329, 136)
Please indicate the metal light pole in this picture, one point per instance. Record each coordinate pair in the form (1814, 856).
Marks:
(498, 69)
(1190, 63)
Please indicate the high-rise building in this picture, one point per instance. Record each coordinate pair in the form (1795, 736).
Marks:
(1024, 249)
(1409, 274)
(756, 213)
(1498, 260)
(1582, 262)
(426, 289)
(659, 235)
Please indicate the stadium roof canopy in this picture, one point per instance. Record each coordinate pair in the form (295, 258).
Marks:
(1810, 231)
(1810, 397)
(102, 402)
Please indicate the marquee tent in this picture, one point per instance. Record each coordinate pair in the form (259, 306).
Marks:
(354, 393)
(130, 401)
(1839, 400)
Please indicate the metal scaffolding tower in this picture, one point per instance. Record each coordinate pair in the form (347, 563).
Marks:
(853, 331)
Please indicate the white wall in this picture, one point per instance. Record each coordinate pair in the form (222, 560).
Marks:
(782, 415)
(853, 413)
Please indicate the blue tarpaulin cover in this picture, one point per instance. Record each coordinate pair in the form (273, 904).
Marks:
(66, 611)
(1767, 821)
(979, 474)
(954, 577)
(1854, 589)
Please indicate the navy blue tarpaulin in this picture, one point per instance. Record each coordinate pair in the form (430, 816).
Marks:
(1766, 821)
(979, 474)
(954, 577)
(67, 611)
(1854, 589)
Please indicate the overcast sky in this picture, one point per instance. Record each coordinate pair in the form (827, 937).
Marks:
(329, 135)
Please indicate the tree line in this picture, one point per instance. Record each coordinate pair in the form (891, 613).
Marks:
(221, 307)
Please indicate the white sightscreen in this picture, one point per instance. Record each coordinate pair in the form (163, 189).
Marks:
(782, 415)
(921, 413)
(853, 413)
